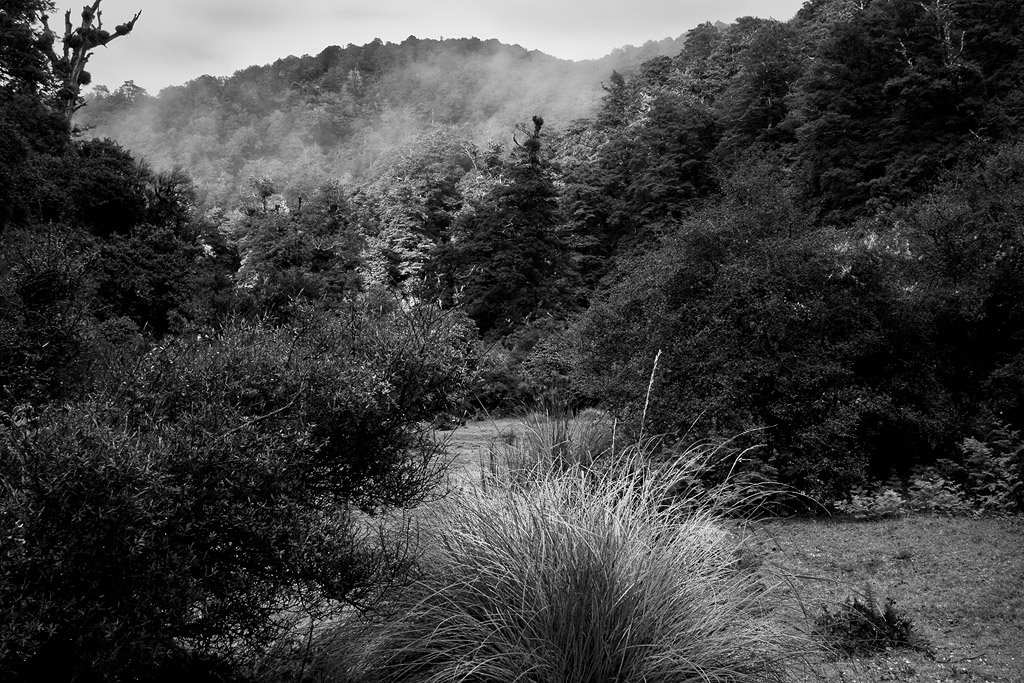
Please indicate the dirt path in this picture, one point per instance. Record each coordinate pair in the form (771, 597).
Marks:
(474, 446)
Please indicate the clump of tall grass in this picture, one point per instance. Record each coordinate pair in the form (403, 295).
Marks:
(616, 573)
(715, 474)
(558, 441)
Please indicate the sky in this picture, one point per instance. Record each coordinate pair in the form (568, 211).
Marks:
(178, 40)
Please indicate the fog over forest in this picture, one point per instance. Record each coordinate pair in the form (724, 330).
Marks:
(304, 120)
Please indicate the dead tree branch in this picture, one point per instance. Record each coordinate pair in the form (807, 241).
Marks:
(79, 44)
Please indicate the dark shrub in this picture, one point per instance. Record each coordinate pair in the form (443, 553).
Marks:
(46, 291)
(860, 627)
(221, 484)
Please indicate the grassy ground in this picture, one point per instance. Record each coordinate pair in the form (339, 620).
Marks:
(960, 580)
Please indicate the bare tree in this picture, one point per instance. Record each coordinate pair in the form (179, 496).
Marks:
(78, 44)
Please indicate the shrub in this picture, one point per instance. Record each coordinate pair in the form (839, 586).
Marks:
(932, 493)
(860, 627)
(868, 504)
(528, 367)
(498, 385)
(766, 322)
(583, 575)
(992, 469)
(46, 326)
(216, 487)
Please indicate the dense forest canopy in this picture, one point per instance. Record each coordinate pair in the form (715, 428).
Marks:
(815, 226)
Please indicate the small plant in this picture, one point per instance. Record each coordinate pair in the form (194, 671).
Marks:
(933, 494)
(904, 555)
(865, 504)
(994, 469)
(861, 628)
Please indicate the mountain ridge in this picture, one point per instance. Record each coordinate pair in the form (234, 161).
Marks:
(334, 113)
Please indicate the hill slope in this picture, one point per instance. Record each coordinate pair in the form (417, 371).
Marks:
(303, 119)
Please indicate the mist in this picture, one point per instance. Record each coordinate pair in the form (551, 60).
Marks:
(341, 114)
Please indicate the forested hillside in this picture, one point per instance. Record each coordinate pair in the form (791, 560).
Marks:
(815, 221)
(303, 119)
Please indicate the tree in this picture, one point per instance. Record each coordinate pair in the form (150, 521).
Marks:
(991, 37)
(47, 299)
(615, 103)
(41, 92)
(413, 205)
(670, 164)
(107, 188)
(587, 199)
(313, 256)
(695, 59)
(77, 46)
(766, 323)
(891, 99)
(969, 246)
(151, 276)
(29, 127)
(506, 256)
(753, 104)
(23, 64)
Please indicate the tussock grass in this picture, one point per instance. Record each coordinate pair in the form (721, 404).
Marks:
(550, 441)
(581, 574)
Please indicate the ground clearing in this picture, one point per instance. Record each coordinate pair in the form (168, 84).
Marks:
(477, 445)
(960, 580)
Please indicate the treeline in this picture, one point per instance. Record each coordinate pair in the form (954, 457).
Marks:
(816, 222)
(335, 114)
(813, 221)
(832, 204)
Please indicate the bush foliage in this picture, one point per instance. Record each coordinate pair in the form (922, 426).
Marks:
(182, 508)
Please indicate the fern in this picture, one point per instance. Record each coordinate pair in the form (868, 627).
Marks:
(994, 469)
(861, 628)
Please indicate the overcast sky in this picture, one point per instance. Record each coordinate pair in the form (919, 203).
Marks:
(178, 40)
